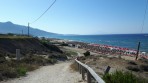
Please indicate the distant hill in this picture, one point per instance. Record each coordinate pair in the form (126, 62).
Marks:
(9, 27)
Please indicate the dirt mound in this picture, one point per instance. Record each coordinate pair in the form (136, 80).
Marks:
(8, 46)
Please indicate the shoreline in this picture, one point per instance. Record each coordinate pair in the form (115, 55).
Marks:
(125, 41)
(101, 49)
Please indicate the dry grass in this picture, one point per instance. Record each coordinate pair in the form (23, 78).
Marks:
(74, 66)
(14, 37)
(138, 68)
(14, 68)
(123, 77)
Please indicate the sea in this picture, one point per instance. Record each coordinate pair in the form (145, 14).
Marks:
(120, 40)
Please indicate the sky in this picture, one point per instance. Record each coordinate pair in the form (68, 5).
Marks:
(78, 16)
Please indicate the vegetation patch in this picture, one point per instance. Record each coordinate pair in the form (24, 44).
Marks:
(22, 71)
(64, 44)
(132, 63)
(123, 77)
(30, 48)
(87, 53)
(14, 68)
(143, 60)
(133, 68)
(48, 45)
(52, 61)
(70, 53)
(144, 67)
(2, 59)
(74, 66)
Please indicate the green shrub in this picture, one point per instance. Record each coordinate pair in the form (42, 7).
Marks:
(52, 61)
(123, 77)
(133, 68)
(144, 67)
(52, 47)
(10, 73)
(64, 44)
(87, 53)
(143, 60)
(11, 34)
(21, 71)
(132, 63)
(28, 67)
(31, 67)
(2, 59)
(70, 53)
(14, 68)
(1, 77)
(34, 60)
(63, 56)
(58, 56)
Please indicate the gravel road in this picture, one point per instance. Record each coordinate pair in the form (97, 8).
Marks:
(58, 73)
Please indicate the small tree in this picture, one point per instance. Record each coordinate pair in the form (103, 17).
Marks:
(87, 53)
(10, 34)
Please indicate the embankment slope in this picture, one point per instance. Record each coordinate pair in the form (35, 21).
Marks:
(8, 46)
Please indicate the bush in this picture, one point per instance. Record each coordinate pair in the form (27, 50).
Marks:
(133, 68)
(10, 73)
(21, 71)
(70, 53)
(132, 63)
(14, 68)
(31, 67)
(123, 77)
(34, 60)
(87, 53)
(58, 56)
(143, 60)
(1, 77)
(2, 59)
(11, 34)
(62, 57)
(52, 47)
(28, 67)
(144, 67)
(64, 44)
(81, 58)
(51, 60)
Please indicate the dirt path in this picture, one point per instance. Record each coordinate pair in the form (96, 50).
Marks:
(58, 73)
(81, 51)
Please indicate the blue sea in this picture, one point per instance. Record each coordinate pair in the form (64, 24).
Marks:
(120, 40)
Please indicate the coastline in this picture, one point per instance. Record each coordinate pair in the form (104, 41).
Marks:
(118, 40)
(101, 49)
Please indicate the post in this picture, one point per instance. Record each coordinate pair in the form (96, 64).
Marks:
(18, 54)
(80, 68)
(107, 70)
(78, 65)
(28, 29)
(83, 73)
(137, 51)
(88, 77)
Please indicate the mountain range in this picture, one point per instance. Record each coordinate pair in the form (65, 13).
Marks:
(9, 27)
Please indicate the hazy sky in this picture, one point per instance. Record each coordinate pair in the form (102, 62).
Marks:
(78, 16)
